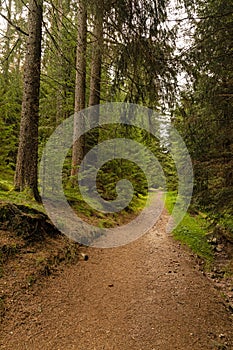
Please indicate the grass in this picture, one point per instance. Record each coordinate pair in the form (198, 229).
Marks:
(8, 194)
(104, 220)
(82, 209)
(191, 231)
(226, 221)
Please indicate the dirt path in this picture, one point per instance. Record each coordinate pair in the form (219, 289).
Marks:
(147, 295)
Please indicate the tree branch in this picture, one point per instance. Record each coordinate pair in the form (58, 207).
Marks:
(9, 54)
(14, 25)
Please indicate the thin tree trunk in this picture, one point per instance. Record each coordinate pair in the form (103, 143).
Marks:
(95, 81)
(59, 15)
(6, 57)
(26, 176)
(96, 64)
(80, 85)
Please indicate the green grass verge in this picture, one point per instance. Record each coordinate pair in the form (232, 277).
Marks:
(191, 231)
(75, 199)
(100, 219)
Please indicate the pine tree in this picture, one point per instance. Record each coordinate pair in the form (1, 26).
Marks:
(27, 159)
(205, 112)
(80, 84)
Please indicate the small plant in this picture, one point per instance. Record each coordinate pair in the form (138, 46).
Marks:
(31, 279)
(40, 260)
(106, 223)
(228, 270)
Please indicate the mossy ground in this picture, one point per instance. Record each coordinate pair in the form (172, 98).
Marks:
(192, 231)
(74, 198)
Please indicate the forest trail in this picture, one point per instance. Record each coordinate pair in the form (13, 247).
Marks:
(147, 295)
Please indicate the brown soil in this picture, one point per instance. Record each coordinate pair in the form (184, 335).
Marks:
(147, 295)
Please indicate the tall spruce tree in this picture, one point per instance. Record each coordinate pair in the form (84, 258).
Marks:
(80, 84)
(27, 158)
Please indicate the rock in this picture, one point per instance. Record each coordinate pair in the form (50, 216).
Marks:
(219, 248)
(84, 256)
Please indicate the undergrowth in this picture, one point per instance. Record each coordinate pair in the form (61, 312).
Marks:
(191, 231)
(75, 200)
(8, 194)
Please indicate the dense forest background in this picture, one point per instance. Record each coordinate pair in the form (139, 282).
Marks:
(175, 57)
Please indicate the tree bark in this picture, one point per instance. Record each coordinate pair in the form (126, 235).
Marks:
(26, 176)
(96, 63)
(59, 18)
(6, 57)
(95, 80)
(80, 85)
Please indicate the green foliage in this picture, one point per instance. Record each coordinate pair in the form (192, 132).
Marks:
(143, 70)
(204, 114)
(91, 215)
(227, 222)
(122, 168)
(8, 194)
(10, 105)
(191, 231)
(58, 72)
(138, 66)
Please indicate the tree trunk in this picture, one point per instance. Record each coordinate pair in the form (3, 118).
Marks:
(95, 81)
(80, 85)
(26, 176)
(6, 57)
(96, 62)
(59, 15)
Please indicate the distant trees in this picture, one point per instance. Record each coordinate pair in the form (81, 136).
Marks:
(91, 52)
(128, 61)
(11, 56)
